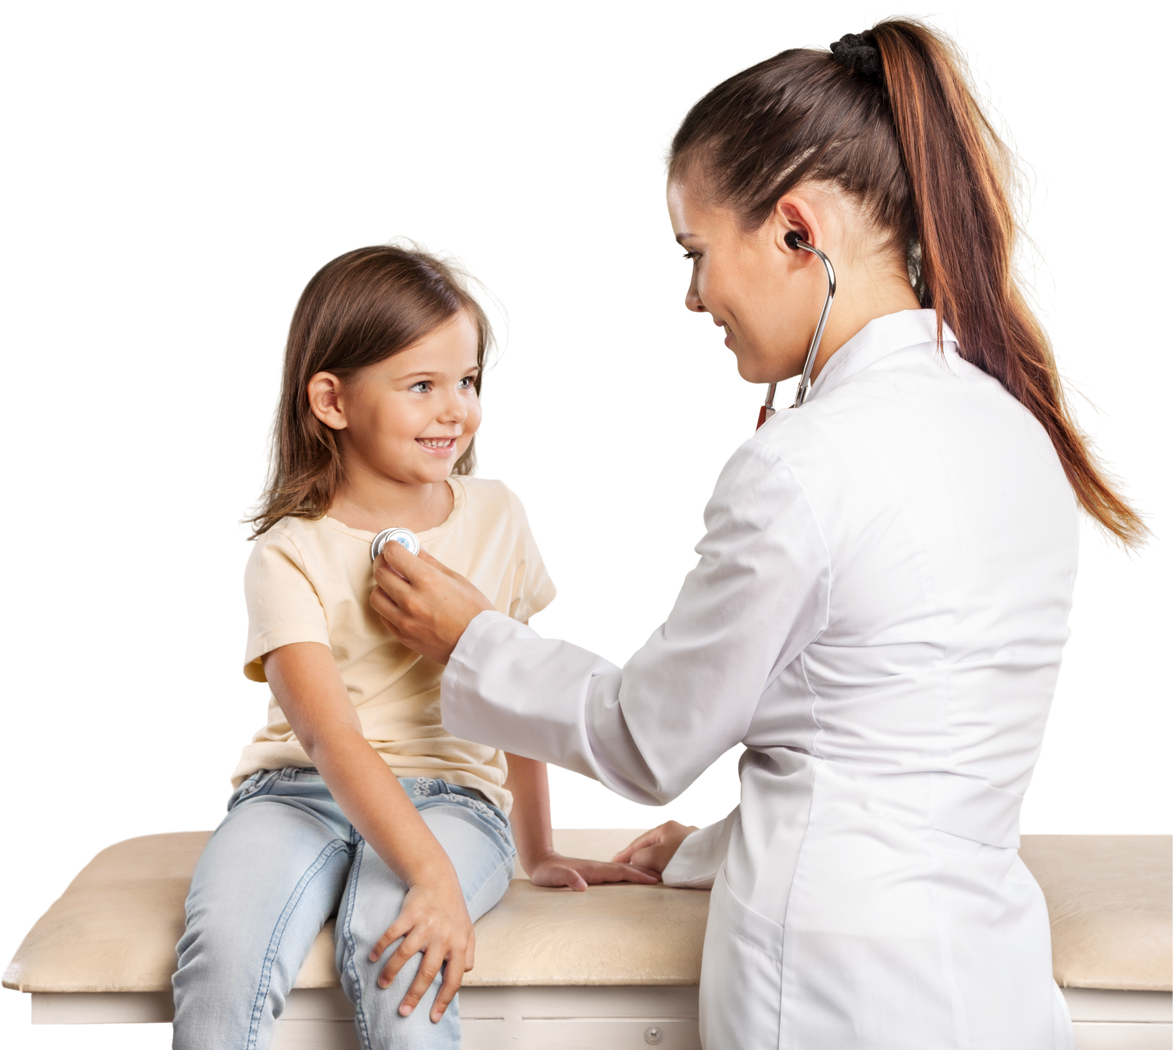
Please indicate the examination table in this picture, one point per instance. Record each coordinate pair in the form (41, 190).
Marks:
(610, 969)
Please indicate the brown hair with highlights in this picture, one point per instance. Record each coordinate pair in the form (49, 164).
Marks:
(909, 143)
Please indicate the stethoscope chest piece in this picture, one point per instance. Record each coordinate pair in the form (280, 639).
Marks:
(404, 537)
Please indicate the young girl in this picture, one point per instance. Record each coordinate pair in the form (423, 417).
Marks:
(354, 798)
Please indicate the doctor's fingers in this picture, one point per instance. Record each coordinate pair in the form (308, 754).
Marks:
(439, 566)
(412, 567)
(600, 871)
(418, 584)
(385, 606)
(648, 838)
(391, 577)
(398, 600)
(654, 858)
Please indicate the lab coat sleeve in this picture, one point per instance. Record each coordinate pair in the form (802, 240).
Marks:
(757, 597)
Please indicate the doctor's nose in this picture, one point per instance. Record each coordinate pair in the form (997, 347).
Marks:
(692, 299)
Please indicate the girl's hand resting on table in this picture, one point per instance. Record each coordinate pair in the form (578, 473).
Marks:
(553, 869)
(434, 920)
(654, 849)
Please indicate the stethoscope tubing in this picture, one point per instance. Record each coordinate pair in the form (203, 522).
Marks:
(793, 241)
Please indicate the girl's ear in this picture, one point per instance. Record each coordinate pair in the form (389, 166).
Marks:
(325, 394)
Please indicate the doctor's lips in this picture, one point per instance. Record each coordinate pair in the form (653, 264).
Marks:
(725, 333)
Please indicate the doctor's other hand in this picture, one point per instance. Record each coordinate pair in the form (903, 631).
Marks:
(553, 869)
(654, 849)
(423, 603)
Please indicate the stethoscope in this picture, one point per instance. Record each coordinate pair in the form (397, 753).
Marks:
(804, 385)
(406, 539)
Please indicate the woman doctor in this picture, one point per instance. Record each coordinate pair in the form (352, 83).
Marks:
(882, 592)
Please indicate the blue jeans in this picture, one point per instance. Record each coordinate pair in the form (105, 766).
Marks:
(283, 860)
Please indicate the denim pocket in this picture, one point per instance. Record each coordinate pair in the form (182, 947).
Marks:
(426, 792)
(299, 773)
(486, 811)
(258, 783)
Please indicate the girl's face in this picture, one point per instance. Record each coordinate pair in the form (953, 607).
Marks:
(410, 417)
(748, 283)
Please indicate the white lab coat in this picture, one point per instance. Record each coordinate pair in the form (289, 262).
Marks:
(877, 614)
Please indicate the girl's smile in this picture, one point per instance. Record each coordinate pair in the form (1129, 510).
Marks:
(402, 424)
(439, 446)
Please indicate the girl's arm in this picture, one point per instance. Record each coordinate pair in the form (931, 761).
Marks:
(526, 779)
(434, 919)
(530, 821)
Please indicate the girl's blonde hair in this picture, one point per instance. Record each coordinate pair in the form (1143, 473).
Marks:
(357, 310)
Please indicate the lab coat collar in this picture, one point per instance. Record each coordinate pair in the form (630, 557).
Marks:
(878, 339)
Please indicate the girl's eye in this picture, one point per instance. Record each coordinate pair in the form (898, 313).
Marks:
(424, 386)
(692, 256)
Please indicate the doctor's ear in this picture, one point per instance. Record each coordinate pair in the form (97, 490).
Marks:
(801, 216)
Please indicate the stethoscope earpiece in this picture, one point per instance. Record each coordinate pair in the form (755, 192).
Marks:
(796, 243)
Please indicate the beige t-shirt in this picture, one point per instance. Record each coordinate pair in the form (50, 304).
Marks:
(311, 581)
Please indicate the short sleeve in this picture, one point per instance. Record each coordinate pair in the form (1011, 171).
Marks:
(283, 606)
(532, 588)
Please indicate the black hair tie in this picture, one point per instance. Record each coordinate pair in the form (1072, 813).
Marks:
(859, 54)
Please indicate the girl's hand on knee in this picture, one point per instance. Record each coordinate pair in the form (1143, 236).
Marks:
(434, 921)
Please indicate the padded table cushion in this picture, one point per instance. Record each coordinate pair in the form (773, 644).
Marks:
(115, 927)
(1110, 898)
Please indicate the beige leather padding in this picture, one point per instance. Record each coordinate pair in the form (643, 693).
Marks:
(1110, 898)
(115, 927)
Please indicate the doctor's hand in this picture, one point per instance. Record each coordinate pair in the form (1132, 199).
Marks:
(423, 603)
(654, 849)
(553, 869)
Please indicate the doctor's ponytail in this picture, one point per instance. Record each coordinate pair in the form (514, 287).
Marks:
(957, 169)
(888, 118)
